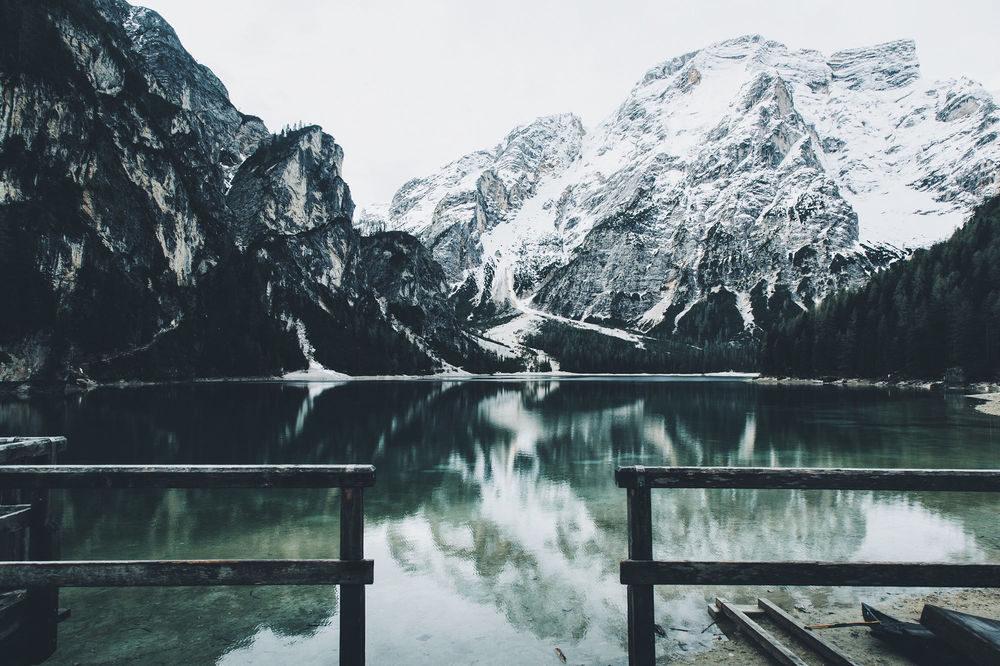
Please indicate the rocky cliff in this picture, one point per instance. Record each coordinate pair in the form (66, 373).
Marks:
(148, 229)
(735, 184)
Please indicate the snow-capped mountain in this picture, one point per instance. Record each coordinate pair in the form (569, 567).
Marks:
(735, 183)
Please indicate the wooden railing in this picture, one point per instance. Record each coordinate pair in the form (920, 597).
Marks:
(640, 572)
(29, 614)
(351, 572)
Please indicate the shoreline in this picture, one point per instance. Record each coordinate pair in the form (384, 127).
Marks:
(990, 402)
(304, 377)
(986, 392)
(977, 388)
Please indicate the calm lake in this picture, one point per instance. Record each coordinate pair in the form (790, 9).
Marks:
(495, 524)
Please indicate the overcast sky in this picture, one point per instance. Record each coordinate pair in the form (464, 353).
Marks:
(406, 86)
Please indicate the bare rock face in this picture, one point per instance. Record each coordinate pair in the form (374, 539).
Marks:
(148, 229)
(97, 203)
(745, 177)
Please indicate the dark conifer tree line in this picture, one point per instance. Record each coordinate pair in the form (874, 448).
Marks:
(580, 350)
(920, 318)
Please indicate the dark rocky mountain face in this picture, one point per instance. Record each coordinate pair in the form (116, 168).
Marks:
(148, 229)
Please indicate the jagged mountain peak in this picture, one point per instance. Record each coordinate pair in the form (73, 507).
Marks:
(172, 71)
(745, 168)
(291, 185)
(148, 229)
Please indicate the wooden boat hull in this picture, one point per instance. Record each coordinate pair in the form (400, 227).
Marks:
(914, 640)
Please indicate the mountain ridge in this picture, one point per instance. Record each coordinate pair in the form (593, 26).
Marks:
(771, 174)
(149, 230)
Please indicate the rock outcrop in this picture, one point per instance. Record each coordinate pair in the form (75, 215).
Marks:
(150, 230)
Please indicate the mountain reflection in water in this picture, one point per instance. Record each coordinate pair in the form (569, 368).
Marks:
(495, 523)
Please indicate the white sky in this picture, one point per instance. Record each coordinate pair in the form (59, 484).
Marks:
(407, 86)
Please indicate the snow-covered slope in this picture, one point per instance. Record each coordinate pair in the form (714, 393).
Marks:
(734, 183)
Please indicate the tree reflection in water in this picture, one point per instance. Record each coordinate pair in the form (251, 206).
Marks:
(495, 520)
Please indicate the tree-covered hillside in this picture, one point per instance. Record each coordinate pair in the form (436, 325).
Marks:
(579, 350)
(938, 310)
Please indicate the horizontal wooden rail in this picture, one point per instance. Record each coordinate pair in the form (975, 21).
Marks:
(187, 476)
(640, 572)
(45, 574)
(19, 448)
(846, 574)
(978, 480)
(182, 573)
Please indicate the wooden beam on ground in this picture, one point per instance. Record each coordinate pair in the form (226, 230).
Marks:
(761, 636)
(14, 517)
(179, 573)
(809, 478)
(715, 612)
(187, 476)
(833, 574)
(829, 653)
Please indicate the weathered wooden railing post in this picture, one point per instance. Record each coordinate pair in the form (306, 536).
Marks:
(42, 603)
(43, 573)
(28, 617)
(352, 597)
(641, 639)
(640, 572)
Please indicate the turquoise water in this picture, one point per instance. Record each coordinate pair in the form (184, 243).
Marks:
(495, 525)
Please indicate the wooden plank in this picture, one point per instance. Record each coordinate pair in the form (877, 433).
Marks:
(978, 638)
(835, 574)
(813, 641)
(19, 448)
(187, 476)
(982, 480)
(352, 597)
(714, 611)
(747, 609)
(641, 634)
(14, 517)
(182, 573)
(761, 636)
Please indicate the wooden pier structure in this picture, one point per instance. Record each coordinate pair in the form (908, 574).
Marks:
(640, 572)
(32, 573)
